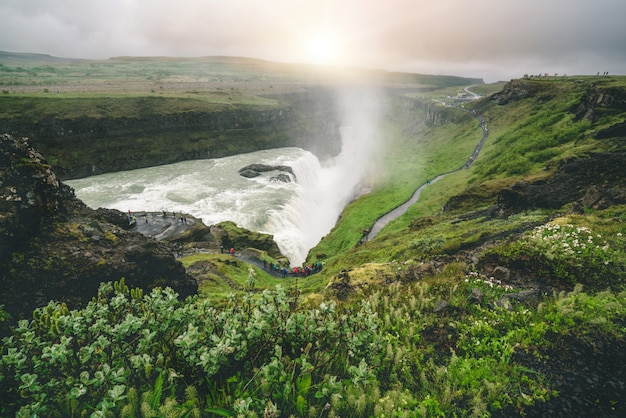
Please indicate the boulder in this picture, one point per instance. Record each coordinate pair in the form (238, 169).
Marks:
(254, 170)
(501, 273)
(283, 178)
(247, 173)
(476, 297)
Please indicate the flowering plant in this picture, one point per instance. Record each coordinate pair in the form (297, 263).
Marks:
(571, 253)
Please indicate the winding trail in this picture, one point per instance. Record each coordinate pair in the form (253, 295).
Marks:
(401, 210)
(471, 93)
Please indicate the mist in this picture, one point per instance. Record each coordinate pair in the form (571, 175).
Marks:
(347, 176)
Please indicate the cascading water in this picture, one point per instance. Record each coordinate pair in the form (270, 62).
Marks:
(298, 214)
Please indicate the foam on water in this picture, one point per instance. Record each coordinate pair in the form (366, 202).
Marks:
(298, 214)
(213, 191)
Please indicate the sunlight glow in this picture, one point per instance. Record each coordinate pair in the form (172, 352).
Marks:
(323, 49)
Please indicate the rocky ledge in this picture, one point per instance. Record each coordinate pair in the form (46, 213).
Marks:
(53, 247)
(255, 170)
(595, 182)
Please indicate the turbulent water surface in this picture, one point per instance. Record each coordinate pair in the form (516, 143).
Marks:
(298, 213)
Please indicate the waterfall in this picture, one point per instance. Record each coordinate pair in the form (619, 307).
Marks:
(298, 214)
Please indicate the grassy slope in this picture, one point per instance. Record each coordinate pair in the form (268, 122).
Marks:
(526, 141)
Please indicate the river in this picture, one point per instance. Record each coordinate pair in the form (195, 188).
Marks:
(298, 213)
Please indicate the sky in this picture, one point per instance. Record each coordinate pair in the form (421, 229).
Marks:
(489, 39)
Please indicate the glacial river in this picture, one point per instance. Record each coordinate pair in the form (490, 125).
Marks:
(298, 213)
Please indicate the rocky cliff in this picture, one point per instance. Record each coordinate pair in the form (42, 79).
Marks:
(601, 100)
(596, 182)
(519, 89)
(54, 247)
(82, 137)
(435, 113)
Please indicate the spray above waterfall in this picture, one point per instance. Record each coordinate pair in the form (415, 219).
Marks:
(326, 187)
(342, 178)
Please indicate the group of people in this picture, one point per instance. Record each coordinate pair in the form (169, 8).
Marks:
(297, 271)
(182, 218)
(303, 271)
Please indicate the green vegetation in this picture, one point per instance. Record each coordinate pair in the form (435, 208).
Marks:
(409, 324)
(122, 105)
(570, 253)
(231, 78)
(527, 141)
(129, 354)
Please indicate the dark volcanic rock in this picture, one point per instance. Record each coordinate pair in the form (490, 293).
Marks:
(594, 102)
(254, 170)
(616, 130)
(588, 373)
(284, 178)
(518, 90)
(597, 182)
(247, 173)
(53, 247)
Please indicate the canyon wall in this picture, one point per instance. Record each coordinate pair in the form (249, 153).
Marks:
(138, 132)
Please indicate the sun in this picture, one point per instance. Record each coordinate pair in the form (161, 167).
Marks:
(323, 48)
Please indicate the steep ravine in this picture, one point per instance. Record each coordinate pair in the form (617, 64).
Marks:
(92, 136)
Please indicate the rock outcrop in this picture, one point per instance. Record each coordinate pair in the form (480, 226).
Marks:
(516, 90)
(53, 247)
(597, 99)
(232, 236)
(255, 170)
(595, 182)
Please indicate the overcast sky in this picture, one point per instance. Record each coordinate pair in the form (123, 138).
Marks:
(490, 39)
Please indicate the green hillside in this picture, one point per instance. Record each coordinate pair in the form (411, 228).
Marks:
(528, 139)
(36, 74)
(501, 292)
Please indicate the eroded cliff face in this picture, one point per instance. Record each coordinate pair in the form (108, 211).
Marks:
(596, 182)
(52, 247)
(600, 100)
(434, 113)
(158, 130)
(516, 90)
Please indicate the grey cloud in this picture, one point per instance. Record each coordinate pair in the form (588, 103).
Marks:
(444, 36)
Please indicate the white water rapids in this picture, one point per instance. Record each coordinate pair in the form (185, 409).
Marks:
(298, 213)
